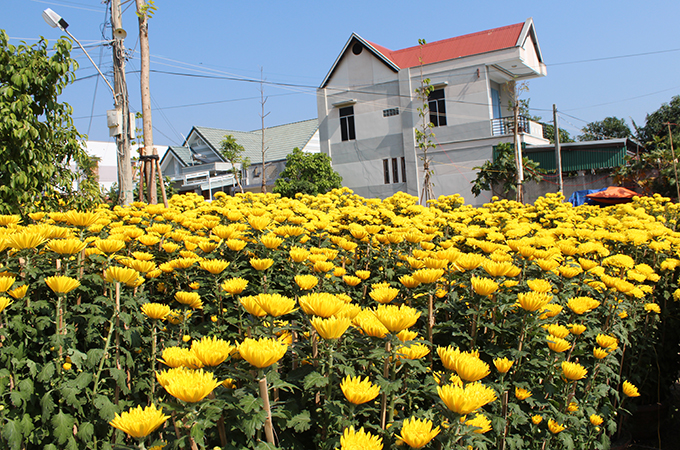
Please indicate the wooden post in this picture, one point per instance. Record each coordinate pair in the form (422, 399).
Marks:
(148, 166)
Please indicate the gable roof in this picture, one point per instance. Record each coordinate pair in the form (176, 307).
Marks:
(181, 154)
(280, 140)
(457, 47)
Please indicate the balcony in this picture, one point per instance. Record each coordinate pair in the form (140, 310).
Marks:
(505, 126)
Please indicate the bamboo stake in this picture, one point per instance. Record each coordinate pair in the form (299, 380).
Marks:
(268, 425)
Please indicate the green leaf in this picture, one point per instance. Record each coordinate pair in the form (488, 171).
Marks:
(301, 422)
(11, 431)
(46, 372)
(107, 410)
(85, 431)
(315, 380)
(250, 403)
(47, 405)
(63, 427)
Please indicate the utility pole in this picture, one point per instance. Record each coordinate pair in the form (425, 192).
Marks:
(518, 150)
(148, 157)
(122, 106)
(263, 100)
(558, 151)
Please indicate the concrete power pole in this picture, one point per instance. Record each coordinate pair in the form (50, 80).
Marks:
(148, 159)
(122, 106)
(558, 151)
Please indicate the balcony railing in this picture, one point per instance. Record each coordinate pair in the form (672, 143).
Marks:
(505, 125)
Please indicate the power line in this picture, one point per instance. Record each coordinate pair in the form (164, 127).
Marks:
(606, 58)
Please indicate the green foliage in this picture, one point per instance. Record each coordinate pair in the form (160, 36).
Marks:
(307, 173)
(38, 141)
(652, 171)
(608, 128)
(233, 152)
(499, 175)
(549, 133)
(656, 124)
(147, 9)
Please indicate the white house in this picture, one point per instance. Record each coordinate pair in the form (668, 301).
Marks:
(367, 108)
(107, 158)
(198, 165)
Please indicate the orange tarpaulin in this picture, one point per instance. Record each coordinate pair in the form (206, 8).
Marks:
(613, 195)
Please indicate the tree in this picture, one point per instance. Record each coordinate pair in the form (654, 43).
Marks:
(38, 142)
(656, 123)
(424, 134)
(609, 128)
(307, 173)
(500, 175)
(232, 151)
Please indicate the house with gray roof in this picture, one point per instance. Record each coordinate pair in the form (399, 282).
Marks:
(198, 166)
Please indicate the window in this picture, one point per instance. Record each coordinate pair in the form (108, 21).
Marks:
(386, 170)
(390, 112)
(395, 171)
(403, 170)
(437, 104)
(347, 123)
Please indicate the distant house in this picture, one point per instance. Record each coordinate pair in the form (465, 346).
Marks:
(198, 166)
(107, 160)
(367, 108)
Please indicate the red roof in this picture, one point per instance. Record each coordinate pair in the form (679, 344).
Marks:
(470, 44)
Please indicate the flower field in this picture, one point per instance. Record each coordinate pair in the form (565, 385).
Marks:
(335, 322)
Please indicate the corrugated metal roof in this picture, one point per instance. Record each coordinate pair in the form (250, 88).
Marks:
(280, 140)
(605, 154)
(456, 47)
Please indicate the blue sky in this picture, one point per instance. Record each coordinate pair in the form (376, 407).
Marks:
(587, 46)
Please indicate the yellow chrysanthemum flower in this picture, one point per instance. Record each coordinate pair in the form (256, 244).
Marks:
(332, 327)
(148, 239)
(212, 351)
(358, 391)
(483, 286)
(397, 318)
(80, 219)
(180, 357)
(275, 304)
(407, 335)
(214, 266)
(61, 284)
(4, 303)
(555, 427)
(417, 433)
(481, 422)
(351, 280)
(138, 422)
(298, 254)
(236, 245)
(359, 440)
(550, 310)
(533, 301)
(408, 281)
(6, 283)
(582, 305)
(539, 285)
(271, 241)
(653, 307)
(25, 240)
(261, 263)
(629, 389)
(573, 371)
(234, 285)
(522, 394)
(536, 419)
(306, 282)
(123, 275)
(503, 365)
(466, 399)
(251, 305)
(596, 420)
(413, 351)
(155, 311)
(263, 352)
(19, 293)
(606, 341)
(384, 294)
(427, 276)
(363, 274)
(66, 246)
(188, 385)
(191, 299)
(576, 328)
(557, 330)
(320, 304)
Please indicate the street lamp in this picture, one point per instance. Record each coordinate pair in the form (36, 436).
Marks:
(56, 21)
